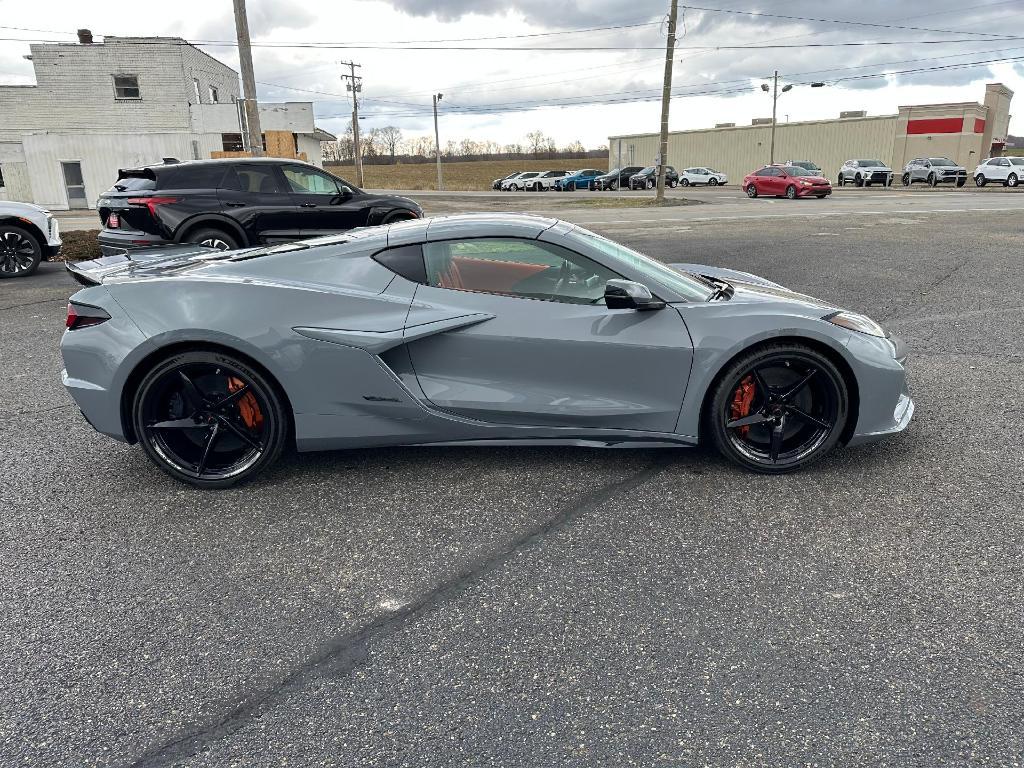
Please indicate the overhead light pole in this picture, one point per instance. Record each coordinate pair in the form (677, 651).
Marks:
(774, 90)
(437, 144)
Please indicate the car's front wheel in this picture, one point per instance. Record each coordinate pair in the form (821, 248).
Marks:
(713, 182)
(778, 408)
(751, 190)
(933, 180)
(791, 192)
(906, 179)
(980, 180)
(213, 238)
(209, 418)
(20, 252)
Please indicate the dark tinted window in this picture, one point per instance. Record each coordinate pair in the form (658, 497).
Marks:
(254, 178)
(406, 260)
(192, 177)
(134, 183)
(232, 142)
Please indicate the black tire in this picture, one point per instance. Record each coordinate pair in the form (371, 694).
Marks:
(906, 179)
(713, 182)
(783, 433)
(791, 192)
(202, 442)
(933, 180)
(685, 182)
(20, 252)
(858, 180)
(613, 185)
(673, 183)
(961, 182)
(980, 180)
(394, 216)
(751, 190)
(213, 238)
(841, 181)
(651, 183)
(1012, 180)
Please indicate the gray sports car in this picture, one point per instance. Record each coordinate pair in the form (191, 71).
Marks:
(470, 330)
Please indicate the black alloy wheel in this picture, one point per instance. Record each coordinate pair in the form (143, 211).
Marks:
(791, 192)
(713, 182)
(209, 419)
(213, 238)
(20, 252)
(778, 408)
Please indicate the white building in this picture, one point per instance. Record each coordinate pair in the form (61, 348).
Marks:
(125, 102)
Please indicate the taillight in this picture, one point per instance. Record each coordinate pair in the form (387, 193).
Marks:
(151, 202)
(113, 221)
(82, 316)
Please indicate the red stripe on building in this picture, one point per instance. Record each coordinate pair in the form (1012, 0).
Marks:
(935, 125)
(979, 125)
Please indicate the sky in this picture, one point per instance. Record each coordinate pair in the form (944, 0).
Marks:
(505, 85)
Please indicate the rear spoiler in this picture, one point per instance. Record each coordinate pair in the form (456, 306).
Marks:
(94, 271)
(136, 173)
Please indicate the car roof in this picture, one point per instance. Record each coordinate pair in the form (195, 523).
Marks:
(523, 225)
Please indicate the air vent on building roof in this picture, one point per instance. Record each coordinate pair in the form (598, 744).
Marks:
(85, 36)
(853, 113)
(725, 125)
(761, 121)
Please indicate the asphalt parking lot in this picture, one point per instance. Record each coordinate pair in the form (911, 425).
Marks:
(551, 607)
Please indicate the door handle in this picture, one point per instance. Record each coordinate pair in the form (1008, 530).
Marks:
(308, 205)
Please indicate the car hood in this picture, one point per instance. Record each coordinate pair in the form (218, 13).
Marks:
(754, 289)
(16, 208)
(398, 200)
(812, 178)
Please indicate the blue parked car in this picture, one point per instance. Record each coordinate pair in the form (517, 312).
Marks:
(577, 180)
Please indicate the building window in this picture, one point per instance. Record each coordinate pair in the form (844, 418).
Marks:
(214, 98)
(127, 87)
(232, 142)
(1, 178)
(195, 86)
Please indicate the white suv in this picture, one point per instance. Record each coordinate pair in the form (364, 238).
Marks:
(28, 234)
(1008, 170)
(547, 180)
(864, 173)
(702, 175)
(519, 182)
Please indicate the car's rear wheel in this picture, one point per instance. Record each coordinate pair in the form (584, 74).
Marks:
(906, 179)
(209, 419)
(751, 190)
(1011, 180)
(20, 252)
(791, 192)
(778, 408)
(213, 238)
(673, 183)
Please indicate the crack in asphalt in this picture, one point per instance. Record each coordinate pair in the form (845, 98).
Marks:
(33, 303)
(341, 655)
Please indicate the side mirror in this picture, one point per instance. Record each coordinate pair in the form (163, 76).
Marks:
(626, 294)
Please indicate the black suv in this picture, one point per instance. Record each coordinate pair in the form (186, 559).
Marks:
(615, 178)
(227, 204)
(648, 178)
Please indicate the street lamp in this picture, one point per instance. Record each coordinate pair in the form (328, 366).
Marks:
(774, 90)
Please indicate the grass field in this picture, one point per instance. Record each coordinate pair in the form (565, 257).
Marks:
(471, 176)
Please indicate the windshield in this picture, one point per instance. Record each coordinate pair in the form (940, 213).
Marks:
(613, 170)
(712, 170)
(687, 287)
(1017, 160)
(796, 170)
(528, 175)
(649, 169)
(941, 161)
(870, 163)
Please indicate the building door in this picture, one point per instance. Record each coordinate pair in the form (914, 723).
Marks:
(75, 184)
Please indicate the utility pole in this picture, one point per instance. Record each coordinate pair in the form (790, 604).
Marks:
(253, 134)
(775, 102)
(437, 144)
(666, 97)
(355, 84)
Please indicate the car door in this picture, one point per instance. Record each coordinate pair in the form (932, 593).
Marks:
(325, 205)
(254, 195)
(549, 351)
(768, 181)
(699, 176)
(1001, 169)
(924, 167)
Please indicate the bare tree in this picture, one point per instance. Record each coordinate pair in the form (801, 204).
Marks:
(346, 147)
(537, 142)
(575, 147)
(390, 137)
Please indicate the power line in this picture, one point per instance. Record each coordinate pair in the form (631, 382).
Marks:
(875, 25)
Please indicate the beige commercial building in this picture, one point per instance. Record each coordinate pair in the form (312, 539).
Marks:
(966, 132)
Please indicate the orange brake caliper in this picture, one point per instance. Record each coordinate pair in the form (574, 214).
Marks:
(742, 400)
(247, 405)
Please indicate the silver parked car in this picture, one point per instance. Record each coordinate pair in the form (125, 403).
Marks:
(28, 234)
(864, 173)
(934, 171)
(1006, 170)
(500, 329)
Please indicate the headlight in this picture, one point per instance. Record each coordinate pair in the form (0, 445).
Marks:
(854, 322)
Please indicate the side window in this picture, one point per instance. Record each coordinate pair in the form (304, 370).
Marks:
(513, 267)
(405, 260)
(193, 177)
(127, 87)
(306, 181)
(256, 179)
(1002, 161)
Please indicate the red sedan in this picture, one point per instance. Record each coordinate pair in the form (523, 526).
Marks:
(786, 181)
